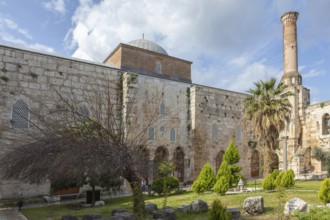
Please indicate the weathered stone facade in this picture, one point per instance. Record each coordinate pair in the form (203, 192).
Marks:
(191, 124)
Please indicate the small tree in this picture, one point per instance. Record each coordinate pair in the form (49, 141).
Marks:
(232, 157)
(138, 201)
(324, 194)
(166, 169)
(218, 211)
(279, 179)
(275, 173)
(224, 171)
(268, 183)
(221, 186)
(205, 180)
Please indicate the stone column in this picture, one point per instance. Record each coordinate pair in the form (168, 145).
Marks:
(290, 50)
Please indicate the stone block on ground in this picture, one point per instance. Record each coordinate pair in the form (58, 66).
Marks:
(115, 211)
(235, 214)
(167, 213)
(254, 205)
(198, 206)
(295, 204)
(69, 217)
(184, 208)
(99, 203)
(150, 208)
(92, 216)
(52, 199)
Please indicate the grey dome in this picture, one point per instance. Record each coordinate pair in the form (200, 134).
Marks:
(147, 45)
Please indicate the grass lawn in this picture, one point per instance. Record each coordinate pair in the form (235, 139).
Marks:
(306, 190)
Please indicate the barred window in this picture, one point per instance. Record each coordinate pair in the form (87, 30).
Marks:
(151, 134)
(20, 115)
(172, 135)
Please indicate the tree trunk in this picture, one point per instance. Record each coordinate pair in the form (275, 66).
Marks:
(93, 195)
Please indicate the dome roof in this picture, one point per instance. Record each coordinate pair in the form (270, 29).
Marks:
(147, 45)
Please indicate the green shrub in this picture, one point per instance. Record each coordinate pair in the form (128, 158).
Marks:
(199, 186)
(232, 157)
(268, 183)
(291, 174)
(313, 214)
(287, 179)
(224, 170)
(205, 180)
(324, 193)
(138, 201)
(158, 184)
(275, 173)
(218, 211)
(278, 179)
(221, 186)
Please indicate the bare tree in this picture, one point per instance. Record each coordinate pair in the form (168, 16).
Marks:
(86, 138)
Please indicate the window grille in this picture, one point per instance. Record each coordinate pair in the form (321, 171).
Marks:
(20, 115)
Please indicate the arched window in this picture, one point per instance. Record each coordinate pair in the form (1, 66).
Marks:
(179, 163)
(158, 67)
(151, 134)
(172, 135)
(20, 115)
(325, 124)
(215, 132)
(162, 109)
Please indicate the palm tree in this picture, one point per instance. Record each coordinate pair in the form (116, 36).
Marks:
(269, 110)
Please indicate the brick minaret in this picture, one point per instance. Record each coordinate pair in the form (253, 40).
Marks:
(291, 138)
(290, 49)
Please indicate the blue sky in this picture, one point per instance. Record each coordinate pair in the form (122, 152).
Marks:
(232, 43)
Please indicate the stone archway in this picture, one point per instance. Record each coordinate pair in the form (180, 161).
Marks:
(161, 155)
(255, 164)
(179, 163)
(218, 160)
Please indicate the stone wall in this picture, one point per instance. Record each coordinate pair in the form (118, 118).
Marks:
(149, 93)
(316, 133)
(35, 78)
(223, 108)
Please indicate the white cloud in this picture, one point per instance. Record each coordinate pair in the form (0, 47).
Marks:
(184, 29)
(6, 23)
(253, 72)
(57, 6)
(313, 73)
(12, 33)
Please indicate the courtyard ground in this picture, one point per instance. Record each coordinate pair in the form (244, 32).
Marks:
(306, 190)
